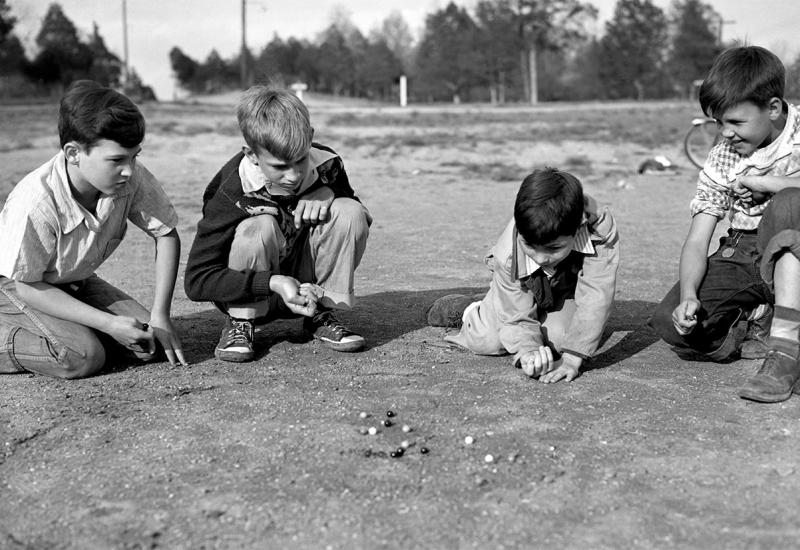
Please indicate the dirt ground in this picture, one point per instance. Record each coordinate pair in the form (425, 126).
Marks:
(643, 450)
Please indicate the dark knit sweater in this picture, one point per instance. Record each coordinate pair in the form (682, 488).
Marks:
(225, 205)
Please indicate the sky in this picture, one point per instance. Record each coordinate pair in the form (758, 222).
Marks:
(198, 26)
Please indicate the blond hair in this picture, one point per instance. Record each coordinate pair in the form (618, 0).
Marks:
(275, 121)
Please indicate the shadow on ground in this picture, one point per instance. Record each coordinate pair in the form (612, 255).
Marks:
(629, 318)
(386, 316)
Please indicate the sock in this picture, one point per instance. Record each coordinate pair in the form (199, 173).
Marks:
(785, 324)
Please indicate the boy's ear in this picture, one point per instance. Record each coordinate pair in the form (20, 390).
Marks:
(71, 150)
(775, 107)
(250, 154)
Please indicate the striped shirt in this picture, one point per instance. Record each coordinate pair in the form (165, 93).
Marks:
(724, 166)
(46, 235)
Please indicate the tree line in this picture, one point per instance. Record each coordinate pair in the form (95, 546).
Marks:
(499, 51)
(61, 57)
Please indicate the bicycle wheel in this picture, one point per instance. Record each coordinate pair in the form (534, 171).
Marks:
(699, 140)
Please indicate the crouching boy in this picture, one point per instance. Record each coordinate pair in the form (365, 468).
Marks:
(753, 278)
(61, 222)
(554, 272)
(282, 231)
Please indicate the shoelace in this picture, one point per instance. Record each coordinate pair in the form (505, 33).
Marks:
(336, 326)
(242, 332)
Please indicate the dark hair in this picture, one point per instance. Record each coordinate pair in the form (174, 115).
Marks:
(746, 73)
(549, 205)
(90, 112)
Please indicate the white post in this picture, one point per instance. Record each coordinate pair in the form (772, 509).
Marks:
(403, 91)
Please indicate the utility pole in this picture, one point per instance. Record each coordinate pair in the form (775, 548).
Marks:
(722, 23)
(125, 73)
(243, 60)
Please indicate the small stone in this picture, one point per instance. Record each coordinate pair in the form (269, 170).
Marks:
(390, 413)
(387, 423)
(488, 459)
(423, 450)
(406, 428)
(469, 440)
(372, 430)
(363, 430)
(363, 414)
(405, 444)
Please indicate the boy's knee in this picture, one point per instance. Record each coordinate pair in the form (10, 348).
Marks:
(350, 213)
(69, 363)
(86, 362)
(257, 243)
(782, 212)
(257, 229)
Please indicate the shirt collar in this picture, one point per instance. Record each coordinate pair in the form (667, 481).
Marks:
(782, 146)
(524, 266)
(253, 178)
(70, 213)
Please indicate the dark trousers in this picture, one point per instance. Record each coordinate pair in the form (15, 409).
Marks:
(731, 289)
(738, 279)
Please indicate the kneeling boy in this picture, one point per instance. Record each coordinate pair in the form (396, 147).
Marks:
(280, 212)
(554, 271)
(61, 222)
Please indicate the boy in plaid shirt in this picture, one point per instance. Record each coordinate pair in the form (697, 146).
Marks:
(747, 176)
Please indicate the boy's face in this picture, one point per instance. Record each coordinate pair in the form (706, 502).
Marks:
(286, 175)
(107, 166)
(749, 127)
(548, 254)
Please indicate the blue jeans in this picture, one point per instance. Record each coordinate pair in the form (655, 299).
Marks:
(37, 342)
(737, 284)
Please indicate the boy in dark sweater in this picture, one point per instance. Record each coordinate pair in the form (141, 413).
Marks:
(282, 231)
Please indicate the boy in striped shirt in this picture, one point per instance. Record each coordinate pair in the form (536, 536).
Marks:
(747, 176)
(554, 271)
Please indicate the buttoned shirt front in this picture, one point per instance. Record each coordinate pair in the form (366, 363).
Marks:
(46, 235)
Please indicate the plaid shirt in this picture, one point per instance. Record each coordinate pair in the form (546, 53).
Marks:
(724, 166)
(45, 235)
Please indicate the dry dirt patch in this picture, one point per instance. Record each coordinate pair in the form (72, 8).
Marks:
(643, 450)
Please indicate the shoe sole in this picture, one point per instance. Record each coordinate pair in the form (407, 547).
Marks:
(233, 357)
(766, 399)
(358, 345)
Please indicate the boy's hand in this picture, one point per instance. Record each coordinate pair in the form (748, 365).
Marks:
(538, 362)
(301, 299)
(314, 207)
(684, 317)
(752, 189)
(164, 331)
(568, 370)
(132, 334)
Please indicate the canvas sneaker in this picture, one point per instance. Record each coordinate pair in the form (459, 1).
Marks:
(236, 341)
(325, 327)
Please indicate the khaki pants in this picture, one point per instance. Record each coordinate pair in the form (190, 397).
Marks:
(327, 255)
